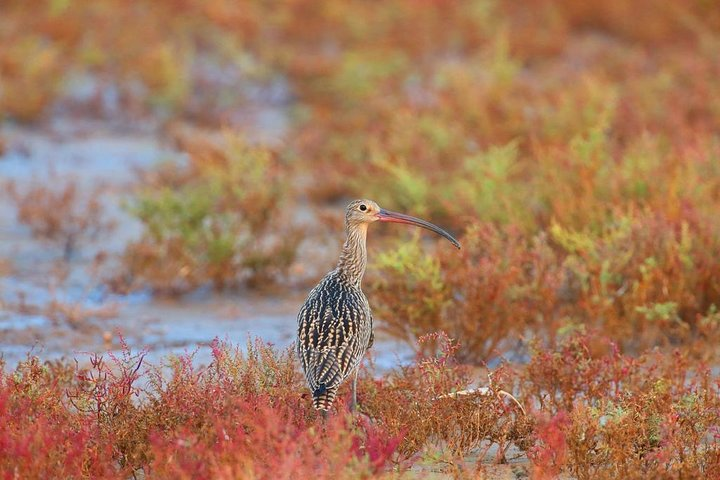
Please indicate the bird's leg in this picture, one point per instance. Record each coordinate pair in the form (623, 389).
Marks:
(353, 402)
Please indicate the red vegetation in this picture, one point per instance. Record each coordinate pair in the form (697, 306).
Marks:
(608, 415)
(597, 414)
(242, 415)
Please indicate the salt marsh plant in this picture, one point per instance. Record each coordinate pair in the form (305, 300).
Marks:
(608, 415)
(118, 417)
(645, 280)
(62, 214)
(220, 218)
(593, 412)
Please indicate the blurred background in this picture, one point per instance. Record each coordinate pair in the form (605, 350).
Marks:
(176, 170)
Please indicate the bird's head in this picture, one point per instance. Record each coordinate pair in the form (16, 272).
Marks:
(361, 213)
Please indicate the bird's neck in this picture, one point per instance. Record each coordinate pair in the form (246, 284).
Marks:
(353, 258)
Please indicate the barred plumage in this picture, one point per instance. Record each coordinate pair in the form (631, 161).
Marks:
(334, 329)
(335, 323)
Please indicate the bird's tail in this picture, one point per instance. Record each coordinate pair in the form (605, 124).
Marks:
(323, 398)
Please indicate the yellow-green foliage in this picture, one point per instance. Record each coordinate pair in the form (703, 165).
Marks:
(219, 219)
(420, 300)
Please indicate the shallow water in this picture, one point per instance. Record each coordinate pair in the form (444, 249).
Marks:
(94, 155)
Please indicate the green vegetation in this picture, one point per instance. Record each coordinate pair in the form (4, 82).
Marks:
(221, 218)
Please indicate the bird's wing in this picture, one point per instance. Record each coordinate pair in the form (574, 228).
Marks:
(331, 341)
(372, 333)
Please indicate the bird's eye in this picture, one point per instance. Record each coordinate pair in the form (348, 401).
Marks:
(363, 207)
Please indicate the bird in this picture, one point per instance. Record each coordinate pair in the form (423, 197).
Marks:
(335, 324)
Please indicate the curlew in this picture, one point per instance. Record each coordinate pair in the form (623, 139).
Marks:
(335, 322)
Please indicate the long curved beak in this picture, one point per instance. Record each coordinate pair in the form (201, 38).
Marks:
(394, 217)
